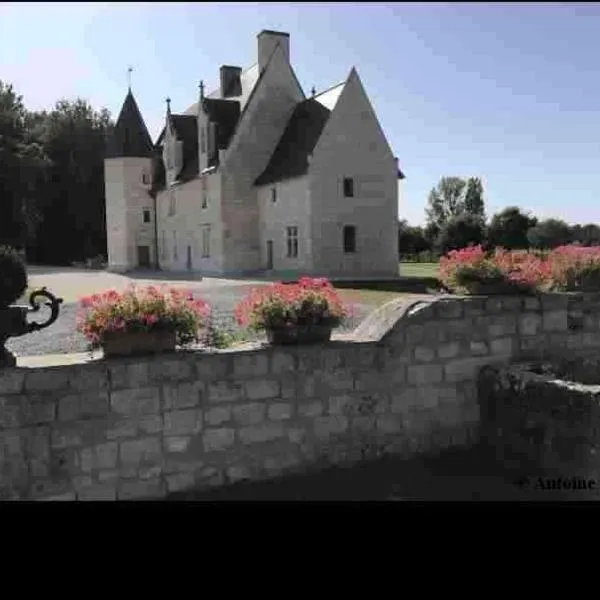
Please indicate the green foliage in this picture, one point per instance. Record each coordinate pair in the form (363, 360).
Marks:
(459, 232)
(474, 204)
(220, 337)
(13, 276)
(549, 233)
(508, 229)
(411, 240)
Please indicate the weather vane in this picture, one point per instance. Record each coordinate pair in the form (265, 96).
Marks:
(129, 72)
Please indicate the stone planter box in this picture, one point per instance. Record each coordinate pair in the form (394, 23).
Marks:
(496, 288)
(138, 343)
(301, 334)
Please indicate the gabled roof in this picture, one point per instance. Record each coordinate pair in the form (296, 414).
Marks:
(290, 158)
(225, 113)
(130, 137)
(186, 130)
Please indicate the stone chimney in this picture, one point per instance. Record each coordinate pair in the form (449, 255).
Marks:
(230, 81)
(267, 40)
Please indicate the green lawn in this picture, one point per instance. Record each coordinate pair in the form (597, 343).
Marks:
(419, 269)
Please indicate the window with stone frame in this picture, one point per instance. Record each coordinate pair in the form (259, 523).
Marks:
(174, 245)
(204, 185)
(349, 240)
(292, 241)
(206, 241)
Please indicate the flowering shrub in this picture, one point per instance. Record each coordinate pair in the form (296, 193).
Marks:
(308, 302)
(574, 268)
(567, 268)
(148, 309)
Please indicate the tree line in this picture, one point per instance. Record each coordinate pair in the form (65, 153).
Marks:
(52, 179)
(456, 218)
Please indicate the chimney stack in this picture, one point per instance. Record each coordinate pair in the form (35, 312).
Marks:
(267, 41)
(231, 84)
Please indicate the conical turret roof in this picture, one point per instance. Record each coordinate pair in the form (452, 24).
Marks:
(130, 137)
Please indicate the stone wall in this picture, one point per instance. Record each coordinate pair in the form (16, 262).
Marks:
(405, 382)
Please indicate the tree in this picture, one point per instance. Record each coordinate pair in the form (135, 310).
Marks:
(473, 202)
(445, 201)
(411, 240)
(21, 160)
(509, 228)
(73, 204)
(549, 233)
(586, 235)
(459, 232)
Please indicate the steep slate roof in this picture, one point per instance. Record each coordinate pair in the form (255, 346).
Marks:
(130, 137)
(290, 158)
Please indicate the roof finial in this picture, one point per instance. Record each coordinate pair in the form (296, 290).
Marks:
(129, 72)
(201, 86)
(313, 91)
(168, 101)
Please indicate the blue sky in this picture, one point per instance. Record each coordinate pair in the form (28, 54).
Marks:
(508, 92)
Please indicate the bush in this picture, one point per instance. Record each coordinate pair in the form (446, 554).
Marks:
(308, 302)
(147, 309)
(13, 276)
(574, 268)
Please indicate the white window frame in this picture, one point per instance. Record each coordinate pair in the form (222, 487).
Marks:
(206, 241)
(291, 235)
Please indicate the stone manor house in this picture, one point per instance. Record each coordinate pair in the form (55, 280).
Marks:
(256, 178)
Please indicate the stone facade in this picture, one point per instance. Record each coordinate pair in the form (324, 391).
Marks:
(243, 229)
(405, 383)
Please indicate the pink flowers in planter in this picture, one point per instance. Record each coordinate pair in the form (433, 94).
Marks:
(141, 310)
(311, 301)
(566, 268)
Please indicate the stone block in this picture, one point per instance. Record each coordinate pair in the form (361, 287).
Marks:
(111, 476)
(250, 365)
(296, 436)
(10, 411)
(66, 435)
(422, 374)
(424, 354)
(280, 411)
(262, 389)
(478, 348)
(249, 414)
(122, 428)
(311, 408)
(138, 452)
(129, 375)
(140, 490)
(265, 432)
(11, 381)
(171, 369)
(37, 410)
(403, 400)
(183, 395)
(336, 381)
(448, 350)
(213, 367)
(177, 444)
(218, 415)
(502, 326)
(324, 427)
(342, 405)
(225, 391)
(282, 362)
(503, 346)
(237, 473)
(86, 404)
(390, 424)
(180, 482)
(449, 309)
(98, 493)
(419, 422)
(555, 320)
(153, 472)
(531, 303)
(464, 368)
(183, 422)
(137, 401)
(218, 439)
(68, 497)
(88, 377)
(102, 456)
(530, 324)
(47, 380)
(369, 381)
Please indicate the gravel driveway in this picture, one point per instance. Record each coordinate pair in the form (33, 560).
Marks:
(62, 338)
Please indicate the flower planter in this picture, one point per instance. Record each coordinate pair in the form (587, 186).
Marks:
(299, 334)
(138, 342)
